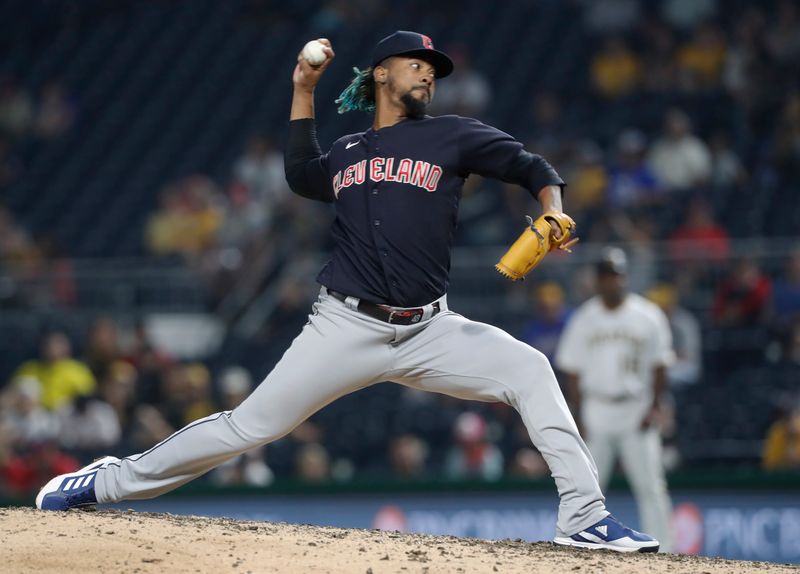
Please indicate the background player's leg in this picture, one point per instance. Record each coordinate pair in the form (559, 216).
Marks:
(603, 447)
(644, 468)
(601, 423)
(471, 360)
(336, 353)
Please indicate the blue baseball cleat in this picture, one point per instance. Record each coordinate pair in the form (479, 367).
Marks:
(72, 490)
(610, 534)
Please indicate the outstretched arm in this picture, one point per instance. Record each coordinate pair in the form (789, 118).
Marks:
(304, 165)
(487, 151)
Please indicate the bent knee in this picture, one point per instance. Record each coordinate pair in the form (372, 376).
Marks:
(527, 370)
(534, 366)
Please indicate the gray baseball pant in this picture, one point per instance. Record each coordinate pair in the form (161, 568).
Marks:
(341, 350)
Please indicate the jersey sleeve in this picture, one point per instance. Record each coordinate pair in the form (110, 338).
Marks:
(570, 347)
(305, 165)
(489, 152)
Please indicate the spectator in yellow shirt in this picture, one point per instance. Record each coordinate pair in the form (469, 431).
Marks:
(588, 177)
(616, 70)
(61, 377)
(702, 57)
(782, 447)
(188, 219)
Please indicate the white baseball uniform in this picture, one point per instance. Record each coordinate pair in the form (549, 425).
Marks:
(614, 352)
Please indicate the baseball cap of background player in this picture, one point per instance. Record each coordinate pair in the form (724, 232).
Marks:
(412, 44)
(612, 261)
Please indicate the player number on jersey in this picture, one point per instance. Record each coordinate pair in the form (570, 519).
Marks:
(630, 364)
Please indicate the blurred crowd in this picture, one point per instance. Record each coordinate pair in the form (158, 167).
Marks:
(28, 119)
(238, 231)
(119, 395)
(27, 122)
(680, 138)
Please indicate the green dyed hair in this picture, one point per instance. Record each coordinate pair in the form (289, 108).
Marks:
(360, 94)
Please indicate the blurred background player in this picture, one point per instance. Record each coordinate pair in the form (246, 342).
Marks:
(614, 352)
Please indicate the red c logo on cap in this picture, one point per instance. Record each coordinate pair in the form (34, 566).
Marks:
(427, 42)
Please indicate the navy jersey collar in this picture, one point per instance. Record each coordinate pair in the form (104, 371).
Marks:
(401, 122)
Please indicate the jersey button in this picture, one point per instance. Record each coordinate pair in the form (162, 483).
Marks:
(394, 283)
(374, 191)
(377, 223)
(385, 253)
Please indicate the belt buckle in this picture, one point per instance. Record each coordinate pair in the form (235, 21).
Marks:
(415, 315)
(390, 310)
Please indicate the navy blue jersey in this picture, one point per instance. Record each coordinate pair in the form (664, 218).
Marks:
(396, 192)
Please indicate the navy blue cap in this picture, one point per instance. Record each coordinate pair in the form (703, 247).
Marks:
(412, 45)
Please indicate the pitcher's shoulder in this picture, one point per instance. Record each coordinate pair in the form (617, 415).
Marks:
(345, 140)
(445, 122)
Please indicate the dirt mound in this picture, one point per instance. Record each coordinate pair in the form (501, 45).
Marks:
(112, 541)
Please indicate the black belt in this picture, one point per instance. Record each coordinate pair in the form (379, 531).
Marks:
(386, 313)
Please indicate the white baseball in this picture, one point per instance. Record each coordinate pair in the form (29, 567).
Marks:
(314, 53)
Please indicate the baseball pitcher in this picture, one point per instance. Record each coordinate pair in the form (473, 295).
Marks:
(382, 312)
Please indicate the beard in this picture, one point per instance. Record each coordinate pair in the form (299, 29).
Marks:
(415, 108)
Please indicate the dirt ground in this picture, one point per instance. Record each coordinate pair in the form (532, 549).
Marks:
(112, 541)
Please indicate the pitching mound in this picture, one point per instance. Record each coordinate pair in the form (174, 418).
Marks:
(111, 541)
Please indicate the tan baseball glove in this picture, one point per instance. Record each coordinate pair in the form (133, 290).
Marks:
(539, 238)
